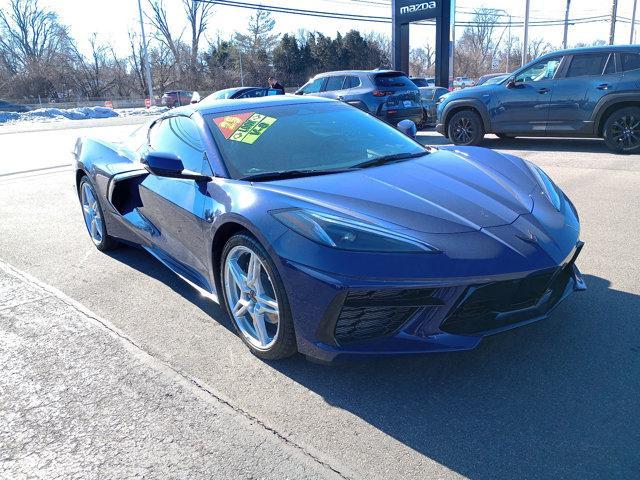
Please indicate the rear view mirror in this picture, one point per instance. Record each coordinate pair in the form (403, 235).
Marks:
(408, 128)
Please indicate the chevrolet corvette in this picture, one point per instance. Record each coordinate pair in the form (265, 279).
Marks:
(325, 231)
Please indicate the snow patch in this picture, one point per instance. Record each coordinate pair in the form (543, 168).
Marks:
(43, 115)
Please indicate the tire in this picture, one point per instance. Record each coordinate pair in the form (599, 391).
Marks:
(254, 300)
(621, 131)
(504, 136)
(465, 128)
(93, 216)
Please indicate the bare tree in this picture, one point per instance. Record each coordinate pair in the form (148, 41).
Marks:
(91, 73)
(421, 61)
(479, 43)
(29, 34)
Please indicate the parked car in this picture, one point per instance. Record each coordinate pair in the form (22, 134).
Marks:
(387, 94)
(176, 98)
(12, 107)
(430, 97)
(463, 82)
(323, 230)
(584, 92)
(484, 78)
(423, 81)
(242, 92)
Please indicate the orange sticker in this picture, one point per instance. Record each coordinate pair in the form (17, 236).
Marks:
(230, 123)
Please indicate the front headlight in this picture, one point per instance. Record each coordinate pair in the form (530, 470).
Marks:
(549, 188)
(348, 233)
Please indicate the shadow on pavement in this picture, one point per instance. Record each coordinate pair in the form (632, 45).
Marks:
(539, 144)
(145, 263)
(557, 399)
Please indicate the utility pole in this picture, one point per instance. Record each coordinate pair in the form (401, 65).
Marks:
(614, 12)
(145, 54)
(633, 20)
(525, 41)
(508, 46)
(566, 25)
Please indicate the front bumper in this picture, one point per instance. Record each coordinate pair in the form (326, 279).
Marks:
(355, 317)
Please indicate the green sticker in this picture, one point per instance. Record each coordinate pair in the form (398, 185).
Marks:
(252, 128)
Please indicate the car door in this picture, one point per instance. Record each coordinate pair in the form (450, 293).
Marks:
(522, 105)
(586, 79)
(174, 206)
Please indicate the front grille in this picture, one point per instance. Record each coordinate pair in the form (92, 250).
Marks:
(376, 313)
(498, 304)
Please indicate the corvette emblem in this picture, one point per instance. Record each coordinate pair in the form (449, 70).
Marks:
(529, 238)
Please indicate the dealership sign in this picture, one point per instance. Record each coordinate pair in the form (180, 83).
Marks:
(413, 10)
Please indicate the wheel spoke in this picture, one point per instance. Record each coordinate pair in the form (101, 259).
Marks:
(241, 307)
(253, 271)
(260, 327)
(238, 274)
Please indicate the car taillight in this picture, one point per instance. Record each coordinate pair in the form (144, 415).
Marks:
(380, 93)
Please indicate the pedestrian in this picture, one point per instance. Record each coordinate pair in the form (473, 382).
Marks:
(275, 85)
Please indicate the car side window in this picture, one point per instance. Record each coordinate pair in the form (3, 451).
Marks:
(334, 83)
(180, 136)
(630, 61)
(544, 70)
(587, 64)
(257, 92)
(313, 86)
(351, 81)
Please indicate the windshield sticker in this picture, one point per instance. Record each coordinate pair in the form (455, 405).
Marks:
(244, 127)
(230, 123)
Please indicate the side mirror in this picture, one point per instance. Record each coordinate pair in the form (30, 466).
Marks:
(511, 82)
(165, 164)
(408, 128)
(299, 92)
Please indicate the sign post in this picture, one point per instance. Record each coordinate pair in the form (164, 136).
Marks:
(406, 11)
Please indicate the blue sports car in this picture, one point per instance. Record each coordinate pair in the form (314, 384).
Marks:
(326, 231)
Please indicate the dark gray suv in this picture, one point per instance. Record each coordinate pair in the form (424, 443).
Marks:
(586, 92)
(387, 94)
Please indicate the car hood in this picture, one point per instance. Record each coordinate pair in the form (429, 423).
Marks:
(451, 190)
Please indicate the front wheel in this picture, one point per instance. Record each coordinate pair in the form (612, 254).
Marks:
(94, 217)
(621, 131)
(465, 128)
(255, 299)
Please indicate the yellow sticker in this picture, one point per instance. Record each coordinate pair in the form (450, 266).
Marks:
(252, 128)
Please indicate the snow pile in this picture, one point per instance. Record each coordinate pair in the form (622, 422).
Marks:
(83, 113)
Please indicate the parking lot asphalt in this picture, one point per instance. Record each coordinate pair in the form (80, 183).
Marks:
(558, 398)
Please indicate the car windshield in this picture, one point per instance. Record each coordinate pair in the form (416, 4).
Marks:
(420, 82)
(304, 137)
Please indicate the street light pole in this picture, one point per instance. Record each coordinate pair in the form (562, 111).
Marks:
(633, 20)
(525, 42)
(566, 25)
(614, 13)
(145, 54)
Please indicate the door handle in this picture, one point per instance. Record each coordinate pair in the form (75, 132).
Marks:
(603, 86)
(543, 90)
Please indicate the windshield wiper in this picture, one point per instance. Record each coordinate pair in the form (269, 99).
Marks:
(283, 174)
(384, 159)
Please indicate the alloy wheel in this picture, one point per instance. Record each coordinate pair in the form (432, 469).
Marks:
(625, 131)
(463, 130)
(251, 297)
(91, 211)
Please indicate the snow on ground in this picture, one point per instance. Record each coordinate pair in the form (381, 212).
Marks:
(45, 115)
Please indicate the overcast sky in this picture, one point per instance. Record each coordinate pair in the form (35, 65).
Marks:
(112, 19)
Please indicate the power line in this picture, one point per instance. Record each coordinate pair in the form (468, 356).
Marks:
(384, 19)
